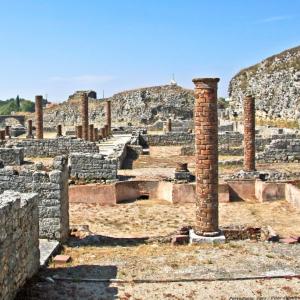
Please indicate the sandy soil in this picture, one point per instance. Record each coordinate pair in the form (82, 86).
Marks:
(158, 262)
(158, 217)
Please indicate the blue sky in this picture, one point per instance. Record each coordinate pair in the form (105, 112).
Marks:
(55, 47)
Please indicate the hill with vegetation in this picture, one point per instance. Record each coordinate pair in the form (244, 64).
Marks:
(15, 105)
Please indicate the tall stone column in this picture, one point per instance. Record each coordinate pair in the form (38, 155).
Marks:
(91, 132)
(249, 134)
(29, 129)
(39, 117)
(206, 143)
(85, 116)
(108, 116)
(58, 130)
(169, 125)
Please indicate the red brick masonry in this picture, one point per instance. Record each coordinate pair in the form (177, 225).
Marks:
(206, 142)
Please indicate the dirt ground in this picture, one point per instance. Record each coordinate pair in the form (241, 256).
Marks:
(158, 217)
(169, 272)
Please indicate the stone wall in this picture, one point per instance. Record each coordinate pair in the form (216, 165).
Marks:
(168, 139)
(52, 190)
(19, 241)
(54, 147)
(281, 150)
(12, 156)
(93, 166)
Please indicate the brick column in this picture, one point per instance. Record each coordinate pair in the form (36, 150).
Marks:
(169, 125)
(108, 116)
(79, 131)
(206, 143)
(7, 131)
(85, 116)
(249, 134)
(39, 117)
(58, 130)
(96, 134)
(106, 131)
(91, 132)
(102, 132)
(29, 129)
(2, 135)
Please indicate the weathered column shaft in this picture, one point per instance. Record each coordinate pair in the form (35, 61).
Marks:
(29, 129)
(85, 116)
(169, 125)
(39, 117)
(2, 135)
(108, 116)
(249, 134)
(206, 142)
(102, 132)
(91, 132)
(59, 130)
(7, 131)
(106, 131)
(96, 134)
(79, 132)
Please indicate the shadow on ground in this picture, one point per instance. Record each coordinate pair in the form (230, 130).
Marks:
(96, 240)
(72, 285)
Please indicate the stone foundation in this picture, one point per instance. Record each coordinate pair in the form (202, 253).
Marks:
(19, 241)
(52, 190)
(54, 147)
(12, 156)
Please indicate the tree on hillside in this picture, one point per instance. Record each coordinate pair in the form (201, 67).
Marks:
(18, 102)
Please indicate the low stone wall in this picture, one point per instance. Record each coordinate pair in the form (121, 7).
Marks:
(52, 189)
(168, 139)
(55, 147)
(93, 166)
(19, 241)
(12, 156)
(292, 195)
(189, 150)
(280, 150)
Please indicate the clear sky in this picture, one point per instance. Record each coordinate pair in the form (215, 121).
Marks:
(55, 47)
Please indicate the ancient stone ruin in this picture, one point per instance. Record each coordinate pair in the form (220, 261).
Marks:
(95, 162)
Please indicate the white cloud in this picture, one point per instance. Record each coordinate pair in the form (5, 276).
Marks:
(274, 19)
(83, 79)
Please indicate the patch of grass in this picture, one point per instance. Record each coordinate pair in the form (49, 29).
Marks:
(278, 122)
(268, 255)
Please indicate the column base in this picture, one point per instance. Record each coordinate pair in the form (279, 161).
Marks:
(201, 239)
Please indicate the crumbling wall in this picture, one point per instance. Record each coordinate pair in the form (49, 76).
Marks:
(168, 139)
(12, 156)
(93, 166)
(19, 241)
(281, 150)
(52, 189)
(55, 147)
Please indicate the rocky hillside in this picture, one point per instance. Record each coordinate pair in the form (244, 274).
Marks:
(143, 106)
(275, 83)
